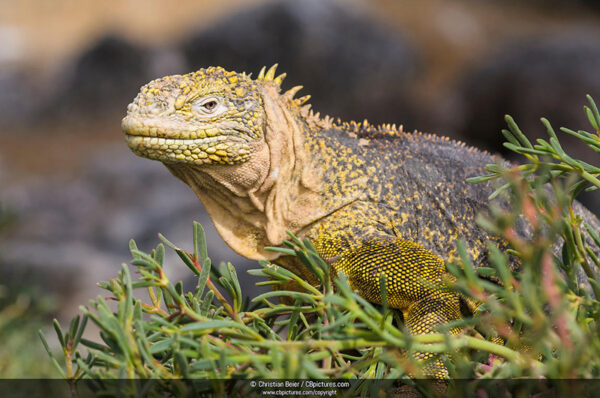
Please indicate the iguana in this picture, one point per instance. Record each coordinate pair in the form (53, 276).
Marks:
(373, 199)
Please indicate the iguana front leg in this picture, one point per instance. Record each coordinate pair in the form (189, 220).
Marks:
(414, 277)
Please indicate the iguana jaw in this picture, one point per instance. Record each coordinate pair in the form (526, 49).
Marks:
(176, 142)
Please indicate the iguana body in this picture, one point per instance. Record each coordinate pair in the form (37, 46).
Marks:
(373, 200)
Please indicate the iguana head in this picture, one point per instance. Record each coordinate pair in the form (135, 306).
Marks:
(237, 142)
(211, 116)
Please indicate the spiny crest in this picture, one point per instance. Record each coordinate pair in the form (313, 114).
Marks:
(300, 102)
(269, 75)
(367, 130)
(364, 130)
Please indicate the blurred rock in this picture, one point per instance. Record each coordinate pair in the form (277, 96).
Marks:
(104, 78)
(19, 98)
(564, 4)
(458, 26)
(544, 77)
(76, 233)
(353, 66)
(107, 76)
(548, 77)
(18, 94)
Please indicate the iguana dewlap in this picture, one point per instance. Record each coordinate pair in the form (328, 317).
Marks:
(372, 199)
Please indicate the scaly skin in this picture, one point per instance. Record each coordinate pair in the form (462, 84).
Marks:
(373, 200)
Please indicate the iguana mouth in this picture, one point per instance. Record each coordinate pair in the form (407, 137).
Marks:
(152, 128)
(172, 145)
(175, 143)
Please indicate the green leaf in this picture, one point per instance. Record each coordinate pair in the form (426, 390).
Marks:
(208, 298)
(187, 261)
(200, 249)
(139, 262)
(159, 254)
(584, 136)
(59, 333)
(133, 248)
(469, 267)
(128, 293)
(237, 290)
(499, 191)
(522, 150)
(93, 345)
(214, 325)
(182, 364)
(140, 285)
(283, 250)
(510, 137)
(486, 272)
(77, 338)
(167, 242)
(595, 119)
(161, 346)
(517, 132)
(480, 179)
(73, 327)
(549, 129)
(595, 235)
(286, 293)
(51, 355)
(590, 115)
(203, 277)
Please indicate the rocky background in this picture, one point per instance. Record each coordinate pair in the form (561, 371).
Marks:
(72, 194)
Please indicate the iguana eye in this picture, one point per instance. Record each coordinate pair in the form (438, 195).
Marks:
(208, 106)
